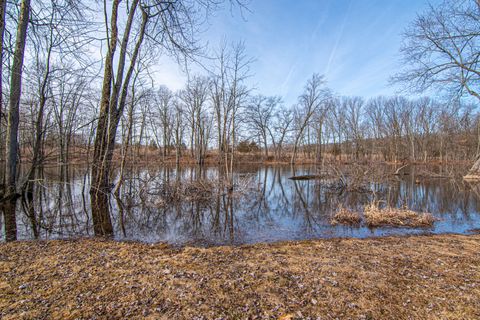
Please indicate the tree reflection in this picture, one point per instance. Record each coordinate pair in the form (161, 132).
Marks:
(195, 205)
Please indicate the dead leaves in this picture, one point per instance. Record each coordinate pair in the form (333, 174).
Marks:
(388, 278)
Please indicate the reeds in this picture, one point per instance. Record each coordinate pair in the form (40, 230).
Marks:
(346, 217)
(375, 216)
(164, 193)
(397, 217)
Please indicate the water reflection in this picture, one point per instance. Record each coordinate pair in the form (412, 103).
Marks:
(191, 206)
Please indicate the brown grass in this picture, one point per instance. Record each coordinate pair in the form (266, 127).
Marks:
(423, 277)
(398, 217)
(345, 216)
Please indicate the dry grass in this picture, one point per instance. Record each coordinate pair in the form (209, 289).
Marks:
(163, 193)
(375, 216)
(398, 217)
(424, 277)
(345, 216)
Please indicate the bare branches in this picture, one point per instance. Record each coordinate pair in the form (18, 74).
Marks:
(315, 96)
(441, 49)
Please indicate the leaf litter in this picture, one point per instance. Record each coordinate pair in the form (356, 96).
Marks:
(417, 277)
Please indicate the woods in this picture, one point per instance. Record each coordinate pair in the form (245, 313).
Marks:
(67, 106)
(233, 159)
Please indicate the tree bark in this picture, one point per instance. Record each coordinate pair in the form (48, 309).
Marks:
(102, 224)
(3, 7)
(12, 124)
(112, 106)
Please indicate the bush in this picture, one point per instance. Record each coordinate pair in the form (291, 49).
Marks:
(246, 146)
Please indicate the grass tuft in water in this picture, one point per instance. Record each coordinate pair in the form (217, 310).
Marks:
(397, 217)
(375, 216)
(346, 217)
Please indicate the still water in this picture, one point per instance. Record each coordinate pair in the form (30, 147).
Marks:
(188, 206)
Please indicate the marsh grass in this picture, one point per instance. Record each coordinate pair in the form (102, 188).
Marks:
(397, 217)
(346, 217)
(376, 216)
(164, 193)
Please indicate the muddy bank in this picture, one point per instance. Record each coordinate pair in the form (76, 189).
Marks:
(423, 277)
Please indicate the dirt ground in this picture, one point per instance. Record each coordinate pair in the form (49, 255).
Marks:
(421, 277)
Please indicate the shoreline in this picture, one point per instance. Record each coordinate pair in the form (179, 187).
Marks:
(209, 245)
(419, 276)
(253, 159)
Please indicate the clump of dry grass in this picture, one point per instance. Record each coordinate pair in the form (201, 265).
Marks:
(399, 217)
(345, 216)
(164, 193)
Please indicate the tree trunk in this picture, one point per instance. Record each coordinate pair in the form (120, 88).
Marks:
(318, 153)
(265, 143)
(126, 146)
(99, 189)
(294, 154)
(117, 110)
(3, 7)
(474, 172)
(177, 140)
(12, 124)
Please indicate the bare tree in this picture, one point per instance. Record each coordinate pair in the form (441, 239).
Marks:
(165, 110)
(229, 96)
(441, 50)
(195, 96)
(280, 128)
(353, 107)
(315, 94)
(13, 121)
(177, 130)
(168, 25)
(57, 33)
(259, 116)
(318, 125)
(220, 99)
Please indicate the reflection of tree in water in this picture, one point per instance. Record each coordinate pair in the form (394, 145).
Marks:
(270, 206)
(150, 213)
(53, 206)
(301, 204)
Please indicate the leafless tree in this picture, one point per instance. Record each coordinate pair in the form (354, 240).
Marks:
(194, 97)
(281, 127)
(354, 107)
(13, 122)
(172, 26)
(441, 50)
(259, 116)
(314, 96)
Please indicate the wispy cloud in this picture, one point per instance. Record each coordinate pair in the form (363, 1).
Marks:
(333, 52)
(354, 42)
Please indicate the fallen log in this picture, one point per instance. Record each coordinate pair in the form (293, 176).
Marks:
(397, 172)
(306, 177)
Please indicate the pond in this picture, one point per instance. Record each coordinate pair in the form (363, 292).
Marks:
(186, 205)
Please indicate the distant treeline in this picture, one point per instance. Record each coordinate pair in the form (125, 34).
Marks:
(189, 125)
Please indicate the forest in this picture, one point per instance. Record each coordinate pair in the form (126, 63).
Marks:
(123, 196)
(64, 103)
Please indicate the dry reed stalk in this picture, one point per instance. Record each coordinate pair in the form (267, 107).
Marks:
(399, 217)
(345, 216)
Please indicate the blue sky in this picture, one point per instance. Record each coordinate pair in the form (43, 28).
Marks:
(354, 43)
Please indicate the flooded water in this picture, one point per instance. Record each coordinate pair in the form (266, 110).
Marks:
(265, 205)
